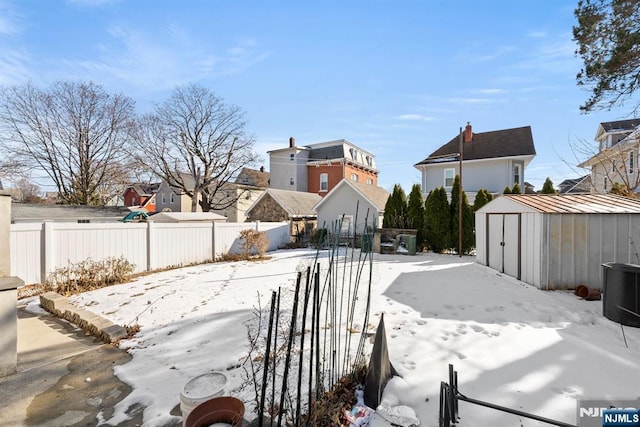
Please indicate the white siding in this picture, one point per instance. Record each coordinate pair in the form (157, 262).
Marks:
(37, 249)
(344, 201)
(281, 169)
(492, 175)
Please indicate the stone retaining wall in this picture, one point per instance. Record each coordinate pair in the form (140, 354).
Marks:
(94, 324)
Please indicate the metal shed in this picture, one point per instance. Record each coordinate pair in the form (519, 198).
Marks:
(558, 241)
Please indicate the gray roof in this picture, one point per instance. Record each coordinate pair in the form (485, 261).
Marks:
(487, 145)
(576, 185)
(254, 177)
(187, 217)
(624, 125)
(26, 212)
(295, 203)
(376, 195)
(327, 153)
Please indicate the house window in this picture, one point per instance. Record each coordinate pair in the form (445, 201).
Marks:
(369, 181)
(449, 176)
(171, 200)
(133, 201)
(368, 160)
(164, 198)
(292, 181)
(516, 174)
(345, 222)
(292, 157)
(605, 184)
(354, 177)
(631, 158)
(324, 182)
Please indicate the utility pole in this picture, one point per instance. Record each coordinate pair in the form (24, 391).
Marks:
(460, 199)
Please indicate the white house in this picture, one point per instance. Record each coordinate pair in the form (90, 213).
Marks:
(353, 205)
(490, 160)
(617, 158)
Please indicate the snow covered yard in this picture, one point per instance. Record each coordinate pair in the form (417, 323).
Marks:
(511, 344)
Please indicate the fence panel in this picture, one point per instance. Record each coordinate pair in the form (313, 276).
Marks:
(227, 236)
(26, 251)
(36, 247)
(182, 244)
(278, 233)
(73, 243)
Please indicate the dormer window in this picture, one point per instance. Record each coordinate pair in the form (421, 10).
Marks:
(368, 158)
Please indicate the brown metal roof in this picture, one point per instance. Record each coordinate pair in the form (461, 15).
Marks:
(578, 203)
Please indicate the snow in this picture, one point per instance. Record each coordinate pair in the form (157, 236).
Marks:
(511, 344)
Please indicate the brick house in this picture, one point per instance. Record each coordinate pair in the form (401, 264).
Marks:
(318, 168)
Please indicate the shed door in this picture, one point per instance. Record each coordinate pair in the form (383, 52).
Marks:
(503, 243)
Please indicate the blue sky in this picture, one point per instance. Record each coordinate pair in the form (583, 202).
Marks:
(396, 77)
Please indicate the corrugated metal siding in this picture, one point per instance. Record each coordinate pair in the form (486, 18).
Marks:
(578, 245)
(531, 244)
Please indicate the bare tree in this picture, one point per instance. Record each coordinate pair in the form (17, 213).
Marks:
(10, 167)
(74, 132)
(197, 144)
(29, 191)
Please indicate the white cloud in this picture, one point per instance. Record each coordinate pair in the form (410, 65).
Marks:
(164, 60)
(490, 91)
(13, 67)
(537, 34)
(90, 3)
(10, 20)
(415, 117)
(470, 101)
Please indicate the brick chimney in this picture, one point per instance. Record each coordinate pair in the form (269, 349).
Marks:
(292, 142)
(468, 134)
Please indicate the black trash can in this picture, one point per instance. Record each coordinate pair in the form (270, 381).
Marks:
(621, 293)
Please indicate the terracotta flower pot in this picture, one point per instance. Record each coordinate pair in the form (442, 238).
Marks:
(224, 409)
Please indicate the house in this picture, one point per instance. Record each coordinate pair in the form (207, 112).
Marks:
(141, 196)
(296, 207)
(233, 198)
(529, 188)
(353, 206)
(318, 168)
(237, 197)
(617, 158)
(580, 185)
(490, 160)
(558, 241)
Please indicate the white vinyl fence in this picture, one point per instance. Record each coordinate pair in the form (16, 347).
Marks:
(39, 248)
